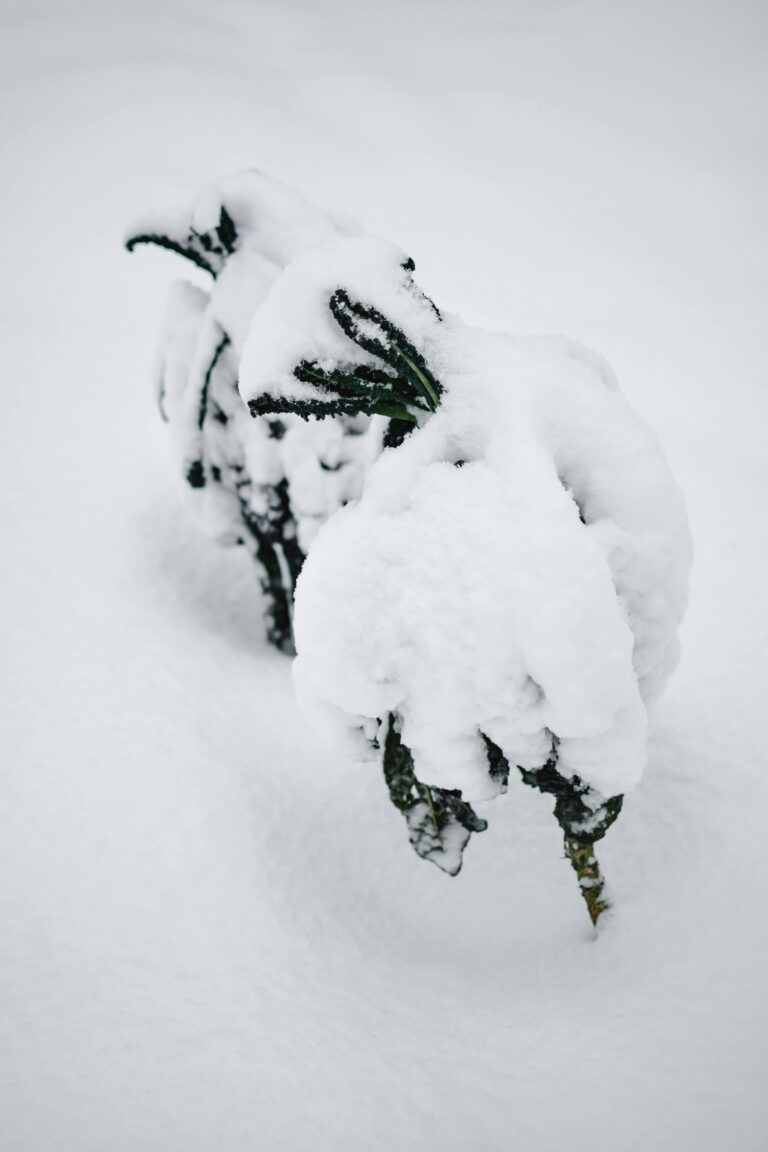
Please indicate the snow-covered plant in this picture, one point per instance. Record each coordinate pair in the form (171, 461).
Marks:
(267, 484)
(508, 587)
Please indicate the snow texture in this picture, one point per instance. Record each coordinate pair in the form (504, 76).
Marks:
(516, 568)
(213, 938)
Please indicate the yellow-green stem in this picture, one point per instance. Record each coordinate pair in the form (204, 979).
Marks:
(585, 865)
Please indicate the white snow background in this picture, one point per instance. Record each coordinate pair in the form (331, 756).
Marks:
(214, 936)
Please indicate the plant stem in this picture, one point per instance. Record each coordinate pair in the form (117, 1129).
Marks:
(587, 868)
(428, 796)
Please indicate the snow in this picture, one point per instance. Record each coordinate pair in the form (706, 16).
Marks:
(517, 568)
(243, 230)
(294, 322)
(214, 935)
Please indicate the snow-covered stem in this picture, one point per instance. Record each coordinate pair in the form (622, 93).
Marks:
(591, 883)
(584, 818)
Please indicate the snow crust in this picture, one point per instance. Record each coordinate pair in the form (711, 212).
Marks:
(516, 568)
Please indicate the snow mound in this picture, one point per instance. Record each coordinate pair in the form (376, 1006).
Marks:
(516, 568)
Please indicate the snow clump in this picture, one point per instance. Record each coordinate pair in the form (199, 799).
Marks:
(515, 569)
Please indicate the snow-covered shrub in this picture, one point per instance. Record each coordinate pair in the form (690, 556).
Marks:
(508, 587)
(268, 483)
(504, 563)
